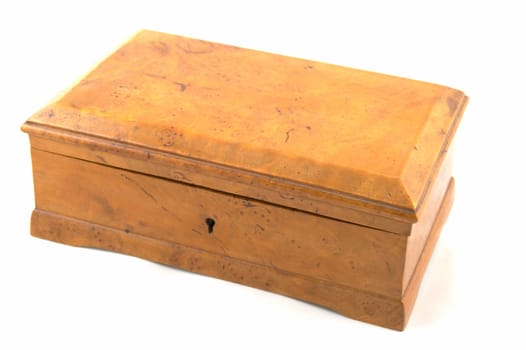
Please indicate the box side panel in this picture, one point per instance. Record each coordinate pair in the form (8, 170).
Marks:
(430, 209)
(283, 239)
(411, 291)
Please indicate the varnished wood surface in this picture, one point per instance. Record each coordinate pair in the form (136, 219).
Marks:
(371, 139)
(247, 230)
(320, 182)
(411, 292)
(259, 187)
(419, 234)
(360, 305)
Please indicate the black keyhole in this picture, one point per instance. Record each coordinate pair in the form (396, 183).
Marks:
(210, 223)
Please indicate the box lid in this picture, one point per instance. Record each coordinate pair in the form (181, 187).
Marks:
(371, 140)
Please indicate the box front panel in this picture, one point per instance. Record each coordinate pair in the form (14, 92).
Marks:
(287, 240)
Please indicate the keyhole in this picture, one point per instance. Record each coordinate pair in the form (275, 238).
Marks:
(210, 223)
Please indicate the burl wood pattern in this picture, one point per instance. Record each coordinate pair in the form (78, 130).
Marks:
(244, 229)
(320, 125)
(319, 182)
(358, 304)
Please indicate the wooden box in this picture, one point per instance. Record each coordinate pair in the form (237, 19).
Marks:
(315, 181)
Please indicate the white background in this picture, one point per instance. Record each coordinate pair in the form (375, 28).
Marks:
(54, 296)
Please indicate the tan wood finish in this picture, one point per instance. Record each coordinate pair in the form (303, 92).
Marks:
(245, 229)
(255, 186)
(182, 96)
(360, 305)
(315, 181)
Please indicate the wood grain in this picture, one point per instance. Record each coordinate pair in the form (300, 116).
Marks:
(245, 229)
(320, 182)
(421, 229)
(411, 292)
(360, 305)
(256, 186)
(316, 124)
